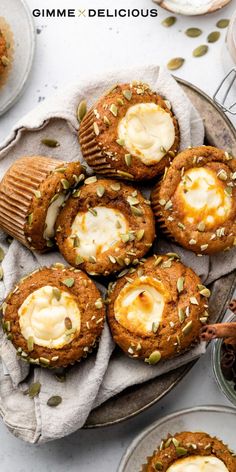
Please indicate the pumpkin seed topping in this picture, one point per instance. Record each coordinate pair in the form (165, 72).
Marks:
(5, 61)
(193, 301)
(193, 32)
(201, 226)
(81, 110)
(192, 242)
(34, 389)
(98, 304)
(56, 293)
(54, 401)
(154, 358)
(155, 327)
(222, 175)
(140, 234)
(113, 109)
(52, 143)
(200, 50)
(175, 63)
(79, 260)
(181, 451)
(169, 21)
(90, 180)
(69, 282)
(100, 190)
(125, 175)
(213, 37)
(158, 465)
(2, 255)
(205, 292)
(128, 159)
(121, 142)
(68, 322)
(1, 273)
(204, 247)
(30, 343)
(180, 284)
(37, 193)
(96, 128)
(187, 328)
(127, 94)
(136, 210)
(181, 315)
(116, 187)
(65, 184)
(222, 23)
(93, 211)
(106, 121)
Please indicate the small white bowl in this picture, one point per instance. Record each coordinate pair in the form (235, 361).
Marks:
(192, 7)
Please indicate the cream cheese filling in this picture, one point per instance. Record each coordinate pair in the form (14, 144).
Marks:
(50, 316)
(52, 214)
(201, 197)
(96, 231)
(140, 304)
(198, 464)
(147, 131)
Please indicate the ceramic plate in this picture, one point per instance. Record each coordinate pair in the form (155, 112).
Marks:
(216, 421)
(18, 16)
(187, 7)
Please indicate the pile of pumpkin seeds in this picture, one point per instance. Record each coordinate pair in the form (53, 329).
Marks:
(194, 32)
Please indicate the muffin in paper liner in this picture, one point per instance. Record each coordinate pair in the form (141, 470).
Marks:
(114, 134)
(105, 226)
(156, 311)
(6, 50)
(54, 316)
(200, 448)
(195, 203)
(32, 192)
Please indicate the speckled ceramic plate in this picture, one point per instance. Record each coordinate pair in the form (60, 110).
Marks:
(216, 421)
(17, 15)
(219, 132)
(188, 7)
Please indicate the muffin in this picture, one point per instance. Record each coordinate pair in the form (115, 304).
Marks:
(105, 226)
(188, 451)
(54, 316)
(31, 194)
(156, 311)
(130, 133)
(195, 204)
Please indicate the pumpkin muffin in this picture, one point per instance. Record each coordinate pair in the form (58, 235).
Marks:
(4, 60)
(156, 311)
(105, 226)
(130, 133)
(195, 204)
(31, 194)
(189, 451)
(54, 316)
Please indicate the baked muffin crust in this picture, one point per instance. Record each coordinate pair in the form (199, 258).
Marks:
(54, 316)
(130, 133)
(199, 449)
(156, 311)
(4, 60)
(195, 204)
(105, 226)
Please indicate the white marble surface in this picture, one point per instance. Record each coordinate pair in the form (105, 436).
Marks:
(67, 49)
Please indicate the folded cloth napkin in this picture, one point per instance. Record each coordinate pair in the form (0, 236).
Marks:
(101, 376)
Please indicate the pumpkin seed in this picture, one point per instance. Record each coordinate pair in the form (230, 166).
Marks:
(76, 242)
(121, 142)
(128, 159)
(96, 129)
(140, 234)
(115, 187)
(79, 260)
(181, 451)
(5, 61)
(125, 175)
(175, 63)
(181, 315)
(90, 180)
(154, 358)
(106, 121)
(52, 143)
(213, 37)
(65, 184)
(81, 110)
(127, 94)
(136, 211)
(1, 273)
(34, 389)
(193, 301)
(169, 21)
(205, 292)
(159, 465)
(2, 254)
(69, 282)
(56, 293)
(30, 218)
(98, 304)
(68, 322)
(55, 400)
(222, 23)
(30, 343)
(37, 193)
(222, 174)
(200, 50)
(187, 328)
(113, 109)
(100, 190)
(201, 226)
(180, 284)
(193, 32)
